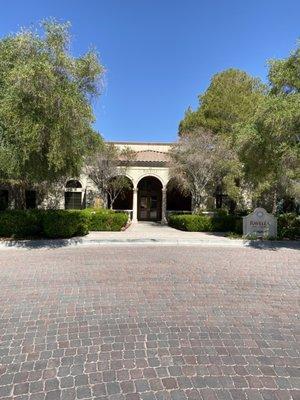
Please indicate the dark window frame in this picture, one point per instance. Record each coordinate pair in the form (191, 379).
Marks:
(73, 201)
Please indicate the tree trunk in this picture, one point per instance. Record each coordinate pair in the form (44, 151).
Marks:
(112, 200)
(197, 201)
(19, 196)
(274, 202)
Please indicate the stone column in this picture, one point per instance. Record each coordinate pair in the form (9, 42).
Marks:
(135, 205)
(164, 206)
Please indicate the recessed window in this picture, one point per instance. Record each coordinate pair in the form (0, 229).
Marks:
(30, 198)
(73, 201)
(3, 199)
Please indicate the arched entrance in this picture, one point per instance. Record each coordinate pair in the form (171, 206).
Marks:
(120, 191)
(149, 199)
(177, 200)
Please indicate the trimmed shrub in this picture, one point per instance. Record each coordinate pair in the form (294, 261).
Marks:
(205, 223)
(58, 223)
(65, 223)
(288, 226)
(190, 222)
(105, 220)
(20, 223)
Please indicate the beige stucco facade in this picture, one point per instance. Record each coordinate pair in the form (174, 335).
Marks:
(151, 161)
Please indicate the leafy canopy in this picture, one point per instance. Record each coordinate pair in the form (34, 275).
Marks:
(268, 145)
(231, 98)
(261, 125)
(45, 104)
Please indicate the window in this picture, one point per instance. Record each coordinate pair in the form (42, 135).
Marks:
(73, 184)
(73, 200)
(3, 199)
(30, 199)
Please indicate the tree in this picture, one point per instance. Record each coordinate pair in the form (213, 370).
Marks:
(198, 161)
(232, 97)
(268, 144)
(284, 75)
(45, 106)
(107, 169)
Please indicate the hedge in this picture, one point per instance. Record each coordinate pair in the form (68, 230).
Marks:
(19, 223)
(105, 220)
(65, 224)
(288, 226)
(205, 223)
(58, 223)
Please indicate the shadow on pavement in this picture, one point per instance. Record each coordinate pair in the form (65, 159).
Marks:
(273, 245)
(41, 244)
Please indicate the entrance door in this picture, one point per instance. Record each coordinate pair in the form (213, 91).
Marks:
(149, 199)
(148, 208)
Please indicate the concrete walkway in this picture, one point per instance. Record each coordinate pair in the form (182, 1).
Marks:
(156, 232)
(149, 233)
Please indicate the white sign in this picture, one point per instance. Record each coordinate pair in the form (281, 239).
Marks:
(260, 224)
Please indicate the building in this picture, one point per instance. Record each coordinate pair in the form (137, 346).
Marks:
(152, 194)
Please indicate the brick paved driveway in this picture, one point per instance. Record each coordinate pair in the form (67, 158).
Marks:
(149, 323)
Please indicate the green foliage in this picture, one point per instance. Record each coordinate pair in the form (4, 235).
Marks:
(231, 98)
(204, 223)
(288, 226)
(284, 75)
(58, 223)
(105, 220)
(20, 223)
(268, 148)
(65, 223)
(268, 144)
(45, 109)
(262, 127)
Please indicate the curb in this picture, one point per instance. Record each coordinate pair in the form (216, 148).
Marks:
(82, 242)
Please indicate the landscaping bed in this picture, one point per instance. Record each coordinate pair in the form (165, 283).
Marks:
(206, 223)
(58, 223)
(288, 224)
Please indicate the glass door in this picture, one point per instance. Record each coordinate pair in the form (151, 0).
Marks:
(144, 207)
(148, 210)
(152, 207)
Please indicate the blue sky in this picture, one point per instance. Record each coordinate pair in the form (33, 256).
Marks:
(160, 54)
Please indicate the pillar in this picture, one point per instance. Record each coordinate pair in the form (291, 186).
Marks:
(135, 205)
(164, 206)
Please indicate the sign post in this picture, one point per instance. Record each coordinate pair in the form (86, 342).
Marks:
(260, 224)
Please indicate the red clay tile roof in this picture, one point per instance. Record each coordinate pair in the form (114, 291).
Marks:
(152, 156)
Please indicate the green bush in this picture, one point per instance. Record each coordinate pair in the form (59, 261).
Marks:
(105, 220)
(205, 223)
(65, 223)
(58, 223)
(288, 226)
(191, 222)
(20, 223)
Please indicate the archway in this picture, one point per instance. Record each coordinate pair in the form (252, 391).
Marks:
(149, 199)
(176, 199)
(121, 193)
